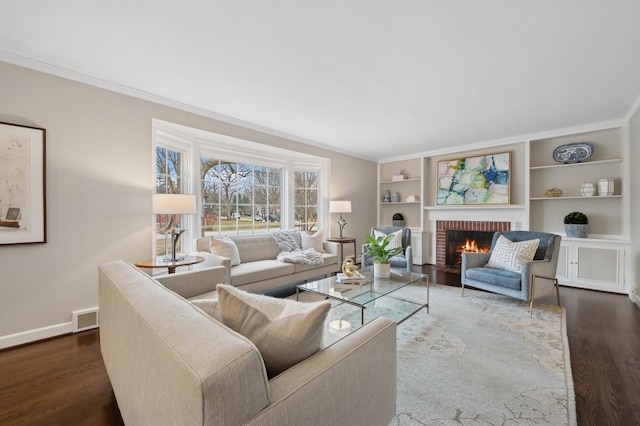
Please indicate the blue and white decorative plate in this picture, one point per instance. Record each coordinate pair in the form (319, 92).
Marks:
(573, 152)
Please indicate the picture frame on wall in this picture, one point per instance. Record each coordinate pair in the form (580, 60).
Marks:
(477, 180)
(22, 184)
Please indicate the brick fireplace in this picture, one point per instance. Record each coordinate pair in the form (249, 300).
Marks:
(442, 226)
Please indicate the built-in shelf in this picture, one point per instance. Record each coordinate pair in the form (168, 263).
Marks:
(401, 181)
(476, 207)
(587, 163)
(578, 197)
(400, 202)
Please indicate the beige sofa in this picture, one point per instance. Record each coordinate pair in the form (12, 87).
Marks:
(259, 271)
(171, 364)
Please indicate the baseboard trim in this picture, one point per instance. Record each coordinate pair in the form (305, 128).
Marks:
(29, 336)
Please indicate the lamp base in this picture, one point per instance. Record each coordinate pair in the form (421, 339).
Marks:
(341, 224)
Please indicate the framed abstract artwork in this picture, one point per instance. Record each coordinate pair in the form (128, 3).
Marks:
(22, 184)
(480, 180)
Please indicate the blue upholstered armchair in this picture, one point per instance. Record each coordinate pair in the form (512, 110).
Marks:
(520, 285)
(402, 260)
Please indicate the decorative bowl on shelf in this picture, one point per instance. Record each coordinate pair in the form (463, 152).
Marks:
(573, 152)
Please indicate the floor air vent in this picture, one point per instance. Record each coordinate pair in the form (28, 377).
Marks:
(85, 320)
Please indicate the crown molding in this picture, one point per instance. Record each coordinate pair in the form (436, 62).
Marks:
(516, 139)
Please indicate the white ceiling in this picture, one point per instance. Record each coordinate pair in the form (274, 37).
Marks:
(378, 78)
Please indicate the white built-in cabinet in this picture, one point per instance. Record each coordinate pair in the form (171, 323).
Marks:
(410, 185)
(597, 265)
(596, 262)
(419, 246)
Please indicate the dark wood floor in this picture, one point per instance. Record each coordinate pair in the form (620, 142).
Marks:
(63, 381)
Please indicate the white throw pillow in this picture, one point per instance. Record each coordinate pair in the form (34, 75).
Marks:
(312, 241)
(511, 256)
(227, 248)
(209, 306)
(396, 241)
(284, 331)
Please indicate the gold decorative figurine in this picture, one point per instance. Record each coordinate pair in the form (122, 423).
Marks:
(350, 269)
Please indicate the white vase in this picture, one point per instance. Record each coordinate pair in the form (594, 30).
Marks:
(605, 187)
(382, 270)
(587, 189)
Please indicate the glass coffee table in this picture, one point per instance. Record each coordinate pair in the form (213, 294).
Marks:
(377, 297)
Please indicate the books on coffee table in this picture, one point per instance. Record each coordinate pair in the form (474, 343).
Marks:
(343, 281)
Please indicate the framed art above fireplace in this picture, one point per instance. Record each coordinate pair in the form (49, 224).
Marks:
(479, 180)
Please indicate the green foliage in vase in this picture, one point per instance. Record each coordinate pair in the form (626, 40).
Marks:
(377, 247)
(576, 218)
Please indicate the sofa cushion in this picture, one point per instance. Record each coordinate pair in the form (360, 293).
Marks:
(510, 255)
(256, 247)
(227, 248)
(312, 241)
(259, 270)
(496, 276)
(284, 331)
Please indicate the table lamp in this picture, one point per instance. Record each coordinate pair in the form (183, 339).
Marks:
(174, 205)
(340, 207)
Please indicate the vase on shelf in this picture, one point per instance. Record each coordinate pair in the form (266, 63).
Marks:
(605, 187)
(587, 189)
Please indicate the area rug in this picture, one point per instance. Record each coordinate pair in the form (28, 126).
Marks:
(480, 360)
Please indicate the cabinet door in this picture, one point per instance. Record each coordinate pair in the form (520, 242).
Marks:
(599, 267)
(562, 271)
(418, 247)
(415, 248)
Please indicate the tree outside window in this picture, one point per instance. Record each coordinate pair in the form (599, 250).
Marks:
(168, 181)
(306, 200)
(239, 198)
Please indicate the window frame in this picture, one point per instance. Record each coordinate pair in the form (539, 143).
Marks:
(197, 143)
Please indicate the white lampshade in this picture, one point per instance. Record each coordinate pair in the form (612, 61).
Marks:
(340, 207)
(174, 204)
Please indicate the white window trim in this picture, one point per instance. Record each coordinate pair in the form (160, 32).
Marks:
(228, 148)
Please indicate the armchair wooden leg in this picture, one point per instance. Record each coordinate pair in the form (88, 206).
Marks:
(533, 290)
(463, 289)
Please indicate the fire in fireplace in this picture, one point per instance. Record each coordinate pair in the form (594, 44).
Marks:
(460, 241)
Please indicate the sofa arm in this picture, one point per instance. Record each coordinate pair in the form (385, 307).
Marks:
(331, 247)
(354, 378)
(193, 283)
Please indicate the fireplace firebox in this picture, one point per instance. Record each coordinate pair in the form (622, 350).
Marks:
(459, 241)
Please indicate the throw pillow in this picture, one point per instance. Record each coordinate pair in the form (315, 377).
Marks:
(510, 255)
(209, 306)
(287, 240)
(312, 241)
(227, 248)
(396, 241)
(284, 331)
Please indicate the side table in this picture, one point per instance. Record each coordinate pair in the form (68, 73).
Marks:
(342, 241)
(171, 265)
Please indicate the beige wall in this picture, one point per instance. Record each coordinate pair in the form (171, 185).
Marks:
(99, 184)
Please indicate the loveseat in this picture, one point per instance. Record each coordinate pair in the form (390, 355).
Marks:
(256, 269)
(172, 364)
